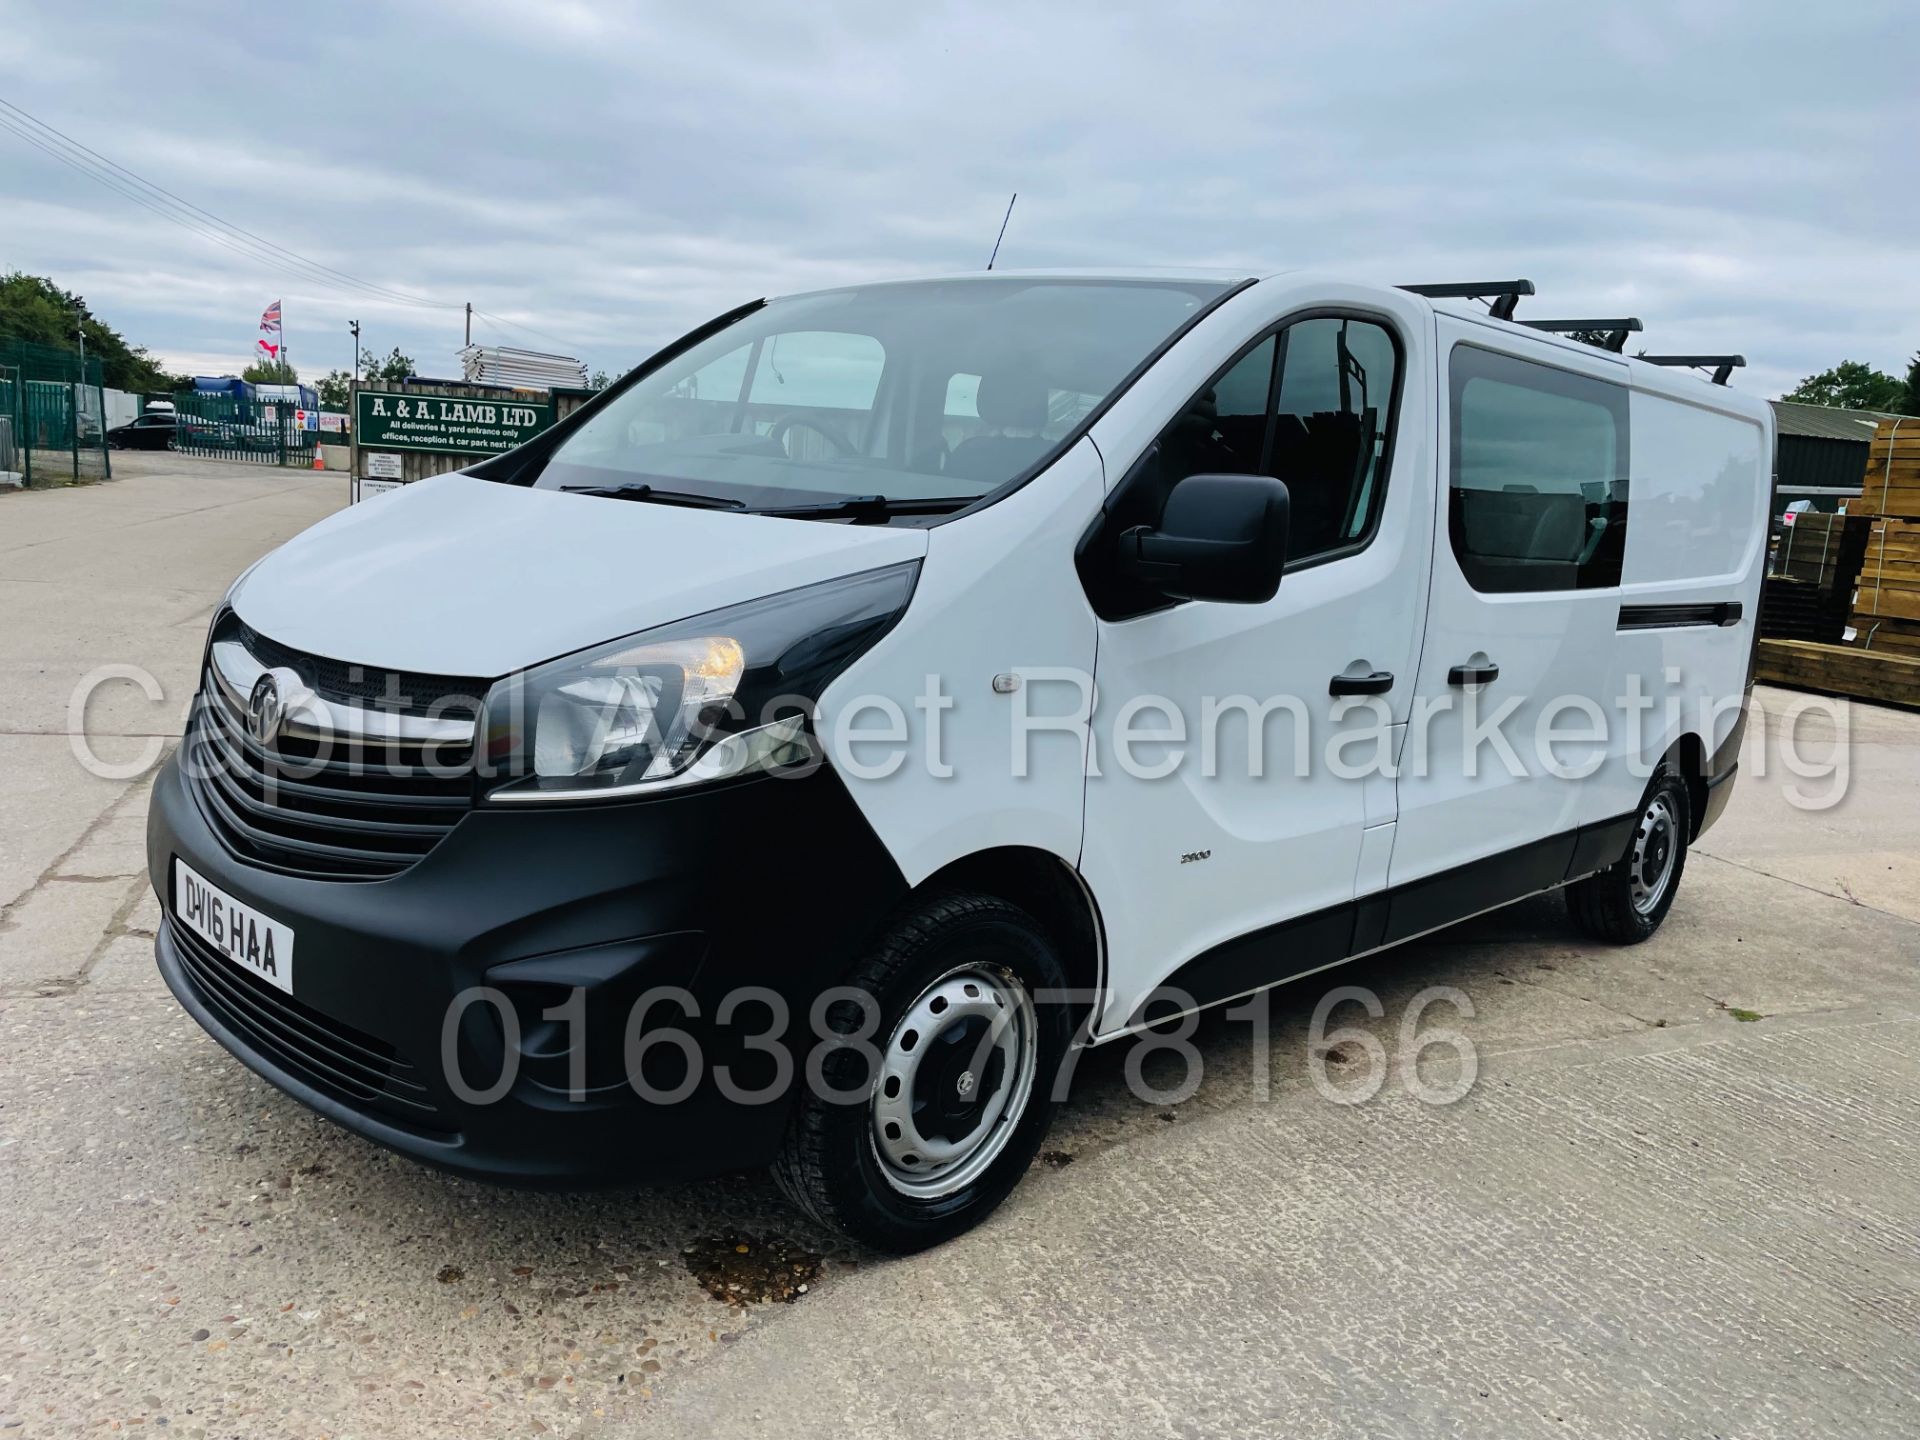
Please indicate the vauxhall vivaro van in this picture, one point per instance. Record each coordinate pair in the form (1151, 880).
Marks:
(791, 757)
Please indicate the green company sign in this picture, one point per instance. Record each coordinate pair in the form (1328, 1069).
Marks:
(446, 424)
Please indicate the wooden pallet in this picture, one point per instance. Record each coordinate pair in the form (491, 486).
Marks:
(1840, 670)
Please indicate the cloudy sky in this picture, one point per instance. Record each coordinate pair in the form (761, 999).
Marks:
(1740, 175)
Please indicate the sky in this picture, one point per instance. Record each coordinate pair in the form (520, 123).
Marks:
(597, 178)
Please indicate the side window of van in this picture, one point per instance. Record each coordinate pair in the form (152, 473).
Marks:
(1539, 475)
(1338, 377)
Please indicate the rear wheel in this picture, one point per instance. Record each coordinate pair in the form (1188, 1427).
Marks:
(1626, 902)
(941, 1116)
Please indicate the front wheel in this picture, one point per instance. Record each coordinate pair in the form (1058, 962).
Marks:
(945, 1104)
(1626, 902)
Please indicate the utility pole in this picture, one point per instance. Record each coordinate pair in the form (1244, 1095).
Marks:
(469, 322)
(353, 420)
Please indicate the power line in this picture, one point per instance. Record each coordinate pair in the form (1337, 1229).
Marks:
(518, 325)
(194, 218)
(197, 220)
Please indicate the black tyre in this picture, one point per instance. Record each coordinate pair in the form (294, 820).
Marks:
(1626, 902)
(953, 1094)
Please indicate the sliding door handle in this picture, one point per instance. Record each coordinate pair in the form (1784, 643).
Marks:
(1473, 674)
(1378, 683)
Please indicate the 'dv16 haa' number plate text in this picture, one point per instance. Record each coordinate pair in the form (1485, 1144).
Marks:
(239, 932)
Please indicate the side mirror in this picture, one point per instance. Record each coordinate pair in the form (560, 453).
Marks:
(1220, 537)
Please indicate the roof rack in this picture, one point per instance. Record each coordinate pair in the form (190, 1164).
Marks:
(1722, 366)
(1501, 295)
(1607, 334)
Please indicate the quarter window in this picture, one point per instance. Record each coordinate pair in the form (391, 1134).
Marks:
(1539, 475)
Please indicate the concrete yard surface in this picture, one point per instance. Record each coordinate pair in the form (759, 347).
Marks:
(1665, 1190)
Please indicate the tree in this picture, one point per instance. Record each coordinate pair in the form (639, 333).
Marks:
(599, 380)
(395, 367)
(271, 372)
(1911, 404)
(1851, 385)
(333, 389)
(34, 309)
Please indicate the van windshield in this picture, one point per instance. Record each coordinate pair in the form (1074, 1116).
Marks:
(917, 392)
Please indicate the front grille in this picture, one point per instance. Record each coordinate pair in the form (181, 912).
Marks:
(331, 679)
(350, 1065)
(338, 809)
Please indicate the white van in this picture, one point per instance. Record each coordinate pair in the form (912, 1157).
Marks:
(791, 757)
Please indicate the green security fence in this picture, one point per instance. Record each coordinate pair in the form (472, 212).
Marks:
(52, 430)
(226, 427)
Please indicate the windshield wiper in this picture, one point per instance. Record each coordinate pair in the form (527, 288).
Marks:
(641, 490)
(869, 507)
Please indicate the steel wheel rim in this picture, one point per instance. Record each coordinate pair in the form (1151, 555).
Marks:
(954, 1080)
(1656, 848)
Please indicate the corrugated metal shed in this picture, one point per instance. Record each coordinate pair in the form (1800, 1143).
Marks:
(1822, 422)
(1822, 452)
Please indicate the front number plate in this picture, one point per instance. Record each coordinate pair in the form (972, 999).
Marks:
(260, 946)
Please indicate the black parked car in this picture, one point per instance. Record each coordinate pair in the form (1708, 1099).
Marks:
(159, 430)
(154, 431)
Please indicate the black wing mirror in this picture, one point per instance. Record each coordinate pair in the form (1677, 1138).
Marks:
(1220, 537)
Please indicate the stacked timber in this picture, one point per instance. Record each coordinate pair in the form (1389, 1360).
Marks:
(1841, 670)
(1882, 662)
(1892, 482)
(1809, 587)
(1886, 607)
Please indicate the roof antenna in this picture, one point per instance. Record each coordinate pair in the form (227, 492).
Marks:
(1003, 231)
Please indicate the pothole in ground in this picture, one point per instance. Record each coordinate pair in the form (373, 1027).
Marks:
(743, 1269)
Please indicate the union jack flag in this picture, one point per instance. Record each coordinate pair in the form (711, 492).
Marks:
(269, 341)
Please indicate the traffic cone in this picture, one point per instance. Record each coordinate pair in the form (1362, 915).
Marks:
(319, 463)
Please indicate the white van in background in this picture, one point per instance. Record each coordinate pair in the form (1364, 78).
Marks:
(789, 758)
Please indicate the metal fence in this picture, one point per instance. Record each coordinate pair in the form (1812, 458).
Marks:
(52, 430)
(227, 427)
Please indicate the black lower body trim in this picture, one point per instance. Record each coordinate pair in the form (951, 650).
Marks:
(1662, 617)
(1719, 791)
(1326, 937)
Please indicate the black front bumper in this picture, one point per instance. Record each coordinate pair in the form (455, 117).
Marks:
(767, 883)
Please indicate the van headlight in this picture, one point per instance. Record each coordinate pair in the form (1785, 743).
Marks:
(721, 695)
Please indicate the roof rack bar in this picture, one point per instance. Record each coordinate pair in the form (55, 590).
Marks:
(1502, 295)
(1722, 366)
(1607, 334)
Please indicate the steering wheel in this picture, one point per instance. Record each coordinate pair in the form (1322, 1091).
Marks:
(801, 420)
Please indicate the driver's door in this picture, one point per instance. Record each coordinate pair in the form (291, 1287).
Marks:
(1238, 866)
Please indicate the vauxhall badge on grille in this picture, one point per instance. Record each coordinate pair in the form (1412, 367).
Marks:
(265, 710)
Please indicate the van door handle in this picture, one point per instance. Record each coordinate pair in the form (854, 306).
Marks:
(1378, 683)
(1473, 674)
